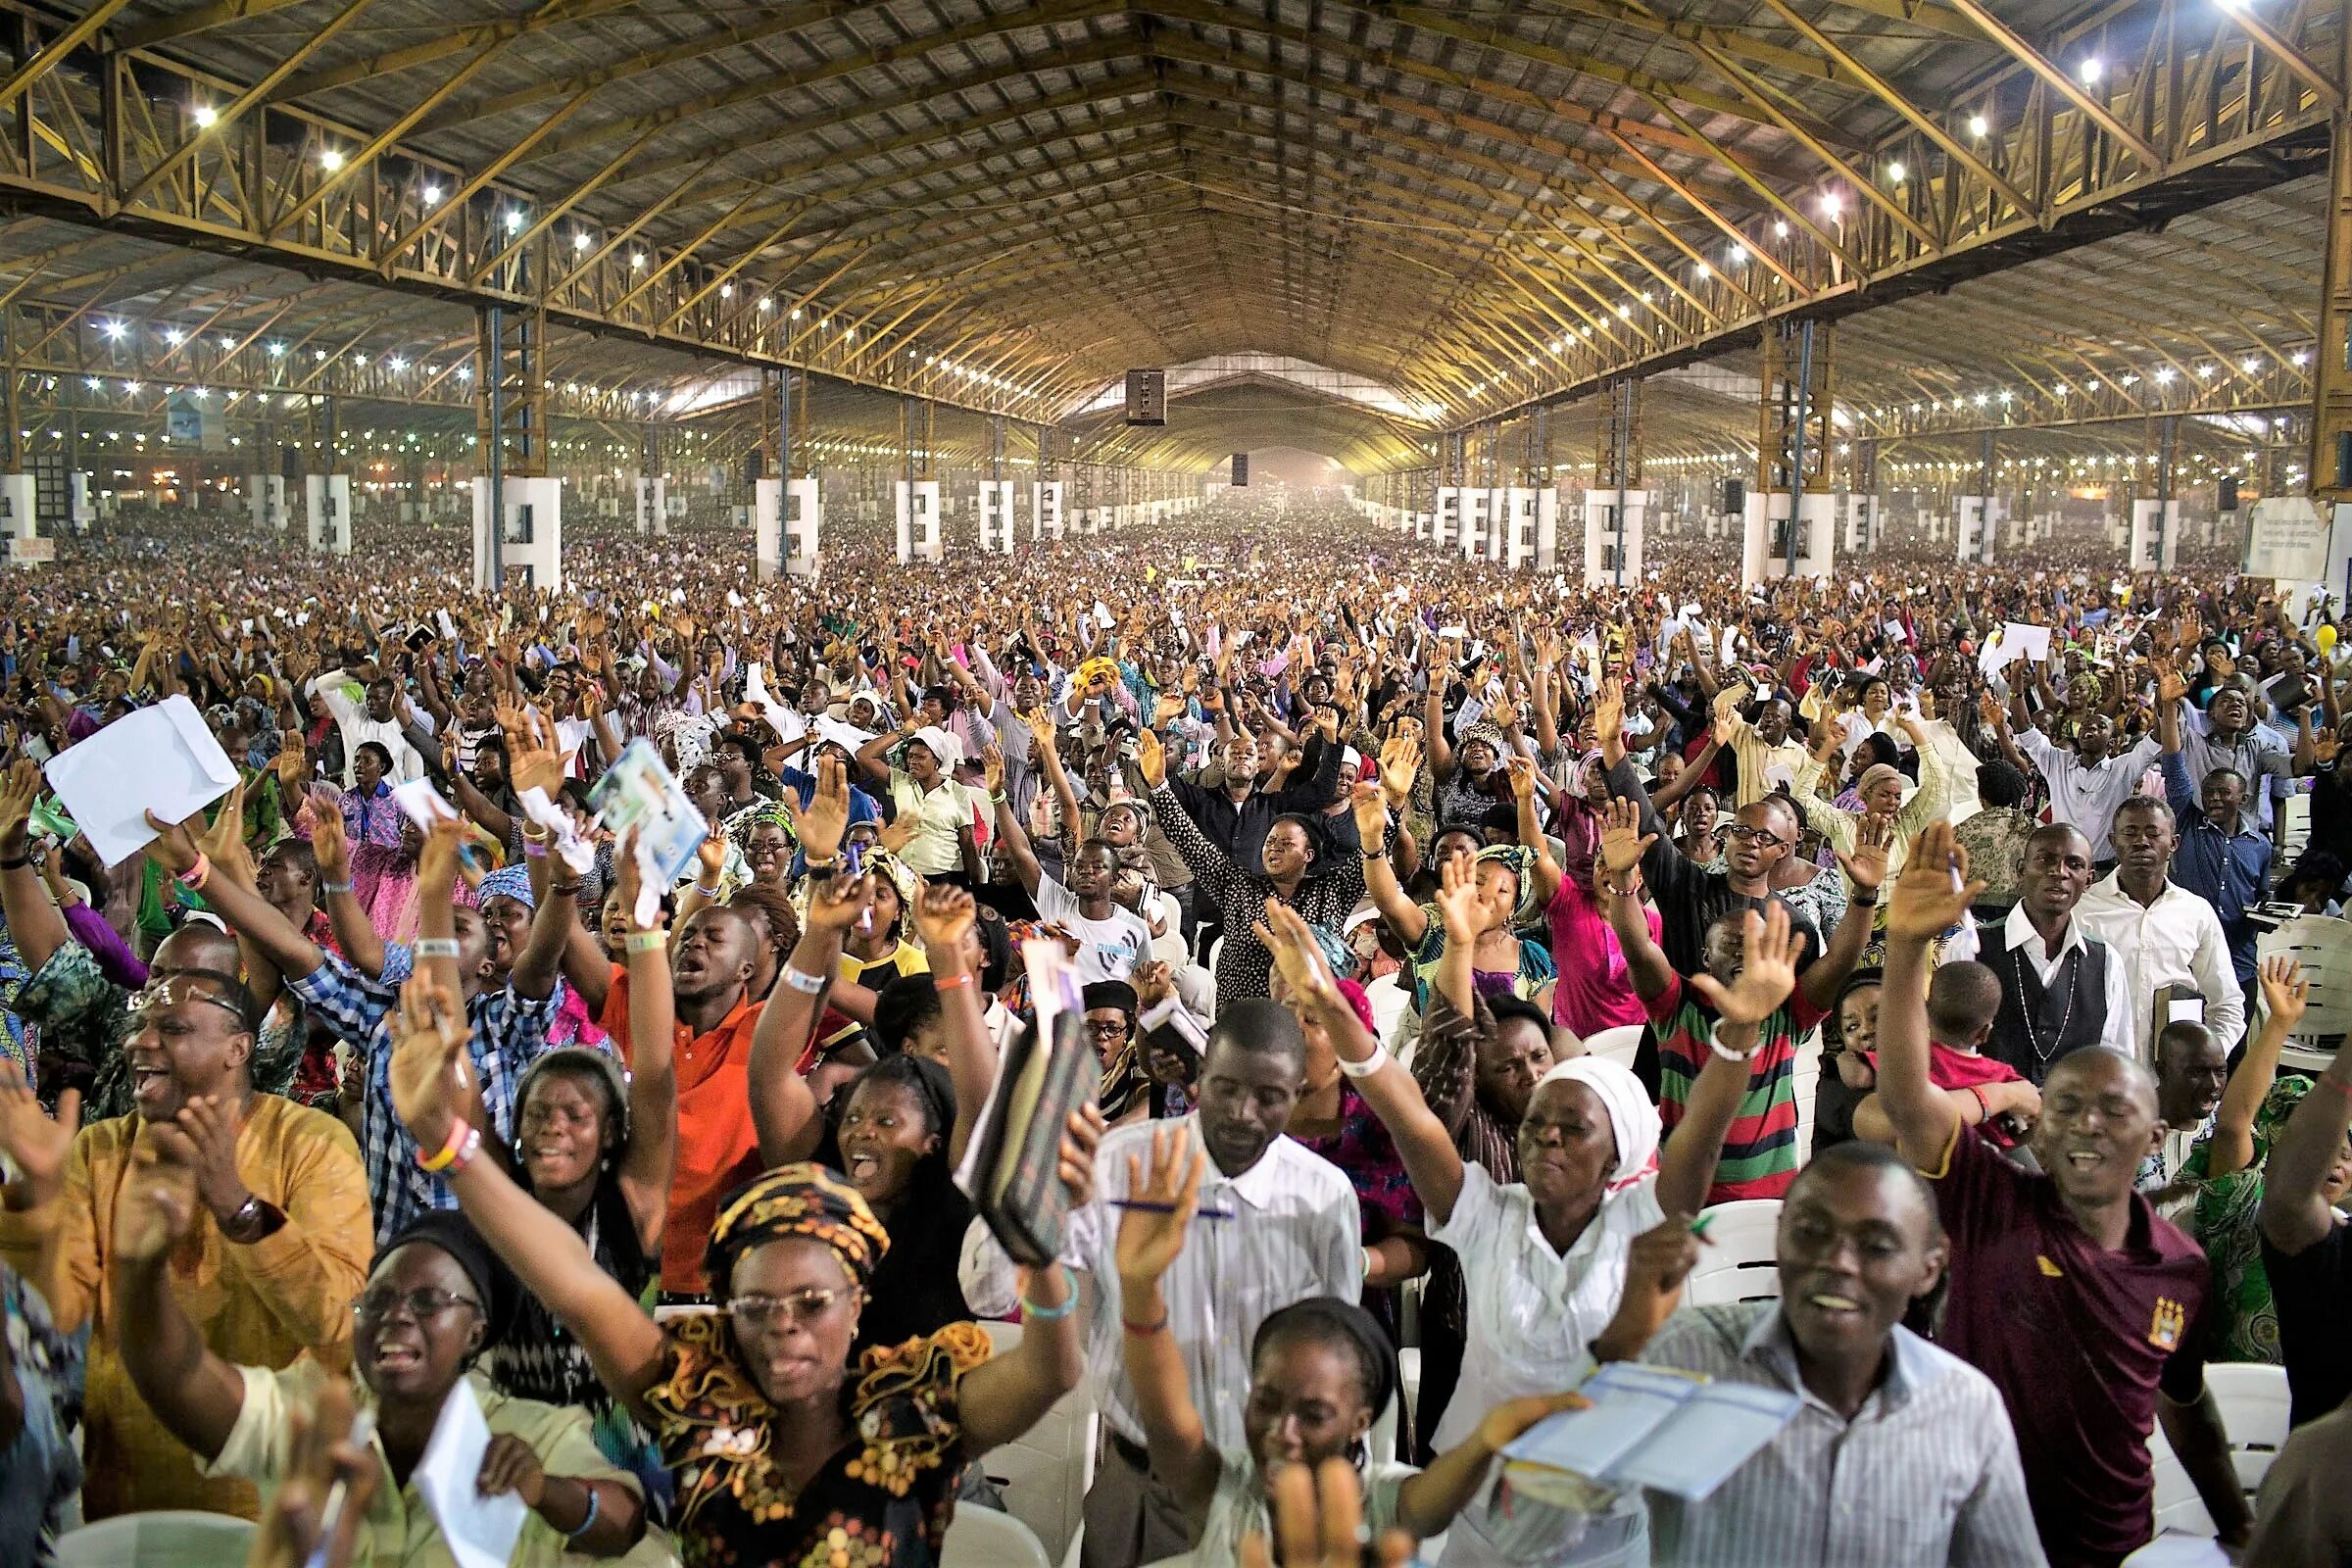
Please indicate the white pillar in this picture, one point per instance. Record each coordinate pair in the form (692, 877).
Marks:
(2155, 535)
(530, 539)
(1045, 510)
(1763, 542)
(1613, 545)
(919, 521)
(26, 546)
(768, 528)
(1446, 524)
(1863, 518)
(326, 506)
(652, 504)
(1972, 531)
(1548, 528)
(266, 498)
(80, 505)
(996, 515)
(1518, 526)
(804, 514)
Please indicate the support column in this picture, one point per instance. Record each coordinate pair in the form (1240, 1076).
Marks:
(653, 487)
(1976, 515)
(917, 498)
(1790, 519)
(767, 490)
(1616, 508)
(2156, 521)
(1864, 510)
(518, 508)
(2329, 470)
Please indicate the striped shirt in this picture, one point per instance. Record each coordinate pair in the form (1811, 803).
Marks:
(1759, 1156)
(1926, 1472)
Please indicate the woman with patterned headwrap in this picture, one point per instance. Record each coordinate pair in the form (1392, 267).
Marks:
(784, 1449)
(1505, 963)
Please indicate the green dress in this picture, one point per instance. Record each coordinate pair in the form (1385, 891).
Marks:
(2225, 1220)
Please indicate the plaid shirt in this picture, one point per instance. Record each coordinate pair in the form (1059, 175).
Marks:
(509, 1033)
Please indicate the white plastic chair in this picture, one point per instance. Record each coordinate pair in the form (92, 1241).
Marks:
(2294, 827)
(177, 1538)
(1046, 1471)
(1616, 1044)
(982, 1538)
(2322, 945)
(2253, 1402)
(1740, 1263)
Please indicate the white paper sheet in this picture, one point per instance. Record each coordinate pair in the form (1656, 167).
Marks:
(480, 1532)
(160, 758)
(422, 804)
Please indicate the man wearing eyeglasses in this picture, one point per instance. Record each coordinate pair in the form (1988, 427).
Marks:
(280, 1237)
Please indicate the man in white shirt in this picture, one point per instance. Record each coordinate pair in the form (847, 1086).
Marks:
(1276, 1224)
(2087, 784)
(377, 720)
(2169, 939)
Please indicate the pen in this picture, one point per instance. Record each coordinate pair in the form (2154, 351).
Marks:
(1148, 1206)
(330, 1514)
(1958, 886)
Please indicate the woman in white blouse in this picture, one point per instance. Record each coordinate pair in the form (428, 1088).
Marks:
(1547, 1255)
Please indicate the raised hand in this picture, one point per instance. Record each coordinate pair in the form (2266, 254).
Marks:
(1399, 766)
(330, 846)
(292, 763)
(1767, 970)
(224, 843)
(509, 1464)
(1460, 904)
(821, 824)
(24, 787)
(943, 913)
(36, 1145)
(992, 769)
(1934, 893)
(2171, 685)
(1297, 955)
(1622, 841)
(1371, 814)
(840, 904)
(438, 861)
(899, 832)
(1154, 982)
(1608, 710)
(203, 1137)
(2286, 989)
(431, 1072)
(294, 1527)
(1659, 1260)
(1866, 866)
(628, 878)
(1150, 759)
(156, 1205)
(1081, 1137)
(1522, 770)
(1318, 1517)
(1161, 1197)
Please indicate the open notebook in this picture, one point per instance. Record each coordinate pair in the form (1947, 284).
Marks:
(1646, 1426)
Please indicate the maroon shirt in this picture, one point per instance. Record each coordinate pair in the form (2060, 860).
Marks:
(2077, 1339)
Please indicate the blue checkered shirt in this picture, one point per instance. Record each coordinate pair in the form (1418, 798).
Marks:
(509, 1033)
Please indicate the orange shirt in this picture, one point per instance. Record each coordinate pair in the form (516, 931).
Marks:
(719, 1150)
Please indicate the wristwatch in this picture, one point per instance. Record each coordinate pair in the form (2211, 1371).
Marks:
(253, 1220)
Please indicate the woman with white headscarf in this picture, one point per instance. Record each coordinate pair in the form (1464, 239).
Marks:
(918, 764)
(1549, 1252)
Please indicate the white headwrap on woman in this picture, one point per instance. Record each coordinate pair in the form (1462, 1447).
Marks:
(1632, 1116)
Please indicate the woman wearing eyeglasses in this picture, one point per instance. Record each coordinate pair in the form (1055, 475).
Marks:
(779, 1437)
(435, 1301)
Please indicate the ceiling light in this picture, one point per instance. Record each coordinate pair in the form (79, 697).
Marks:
(1780, 228)
(1736, 255)
(1895, 171)
(726, 291)
(330, 159)
(116, 329)
(2092, 68)
(174, 336)
(1830, 203)
(513, 220)
(1978, 126)
(431, 195)
(207, 116)
(579, 241)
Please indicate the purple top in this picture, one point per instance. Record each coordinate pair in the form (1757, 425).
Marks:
(113, 954)
(1365, 1154)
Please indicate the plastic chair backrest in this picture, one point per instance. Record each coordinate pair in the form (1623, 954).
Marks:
(1739, 1263)
(1046, 1471)
(982, 1538)
(178, 1537)
(2253, 1400)
(1617, 1045)
(2322, 945)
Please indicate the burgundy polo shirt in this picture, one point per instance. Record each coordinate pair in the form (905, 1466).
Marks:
(2075, 1337)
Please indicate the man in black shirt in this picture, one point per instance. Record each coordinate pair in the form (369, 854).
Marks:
(1689, 898)
(1237, 816)
(2304, 1245)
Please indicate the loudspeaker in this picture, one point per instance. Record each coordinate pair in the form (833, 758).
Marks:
(1146, 397)
(1241, 469)
(290, 463)
(2227, 500)
(1734, 497)
(754, 465)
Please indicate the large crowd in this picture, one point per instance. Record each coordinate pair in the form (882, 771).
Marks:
(1455, 946)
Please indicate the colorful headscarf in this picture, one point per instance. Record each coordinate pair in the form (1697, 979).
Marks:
(799, 1200)
(1521, 860)
(513, 882)
(901, 876)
